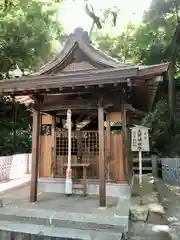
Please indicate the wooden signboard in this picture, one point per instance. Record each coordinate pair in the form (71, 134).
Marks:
(139, 139)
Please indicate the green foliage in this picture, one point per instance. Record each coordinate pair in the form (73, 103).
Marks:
(120, 47)
(15, 127)
(160, 8)
(154, 41)
(158, 124)
(164, 15)
(29, 32)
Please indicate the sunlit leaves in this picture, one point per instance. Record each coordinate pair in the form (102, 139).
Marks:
(27, 32)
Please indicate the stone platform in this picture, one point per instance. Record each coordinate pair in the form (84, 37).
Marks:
(73, 217)
(57, 185)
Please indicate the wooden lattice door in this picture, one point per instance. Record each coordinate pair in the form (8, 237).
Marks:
(85, 149)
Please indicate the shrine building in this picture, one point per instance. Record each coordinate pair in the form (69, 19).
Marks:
(102, 96)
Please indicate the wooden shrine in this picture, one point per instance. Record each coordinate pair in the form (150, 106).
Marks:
(99, 91)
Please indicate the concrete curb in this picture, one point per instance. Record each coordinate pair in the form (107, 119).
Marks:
(8, 227)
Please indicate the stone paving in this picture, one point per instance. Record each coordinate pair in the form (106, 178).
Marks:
(155, 227)
(169, 195)
(14, 183)
(74, 214)
(19, 197)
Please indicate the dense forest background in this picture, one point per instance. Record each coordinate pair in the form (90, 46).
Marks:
(31, 32)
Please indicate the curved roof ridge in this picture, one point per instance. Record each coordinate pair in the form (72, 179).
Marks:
(81, 39)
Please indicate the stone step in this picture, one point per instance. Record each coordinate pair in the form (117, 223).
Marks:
(147, 231)
(37, 232)
(69, 220)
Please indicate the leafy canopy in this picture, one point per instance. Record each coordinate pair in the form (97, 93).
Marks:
(30, 31)
(154, 41)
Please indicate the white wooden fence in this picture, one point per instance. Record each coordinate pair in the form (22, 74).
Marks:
(15, 166)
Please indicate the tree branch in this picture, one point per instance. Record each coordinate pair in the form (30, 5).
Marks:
(176, 10)
(92, 15)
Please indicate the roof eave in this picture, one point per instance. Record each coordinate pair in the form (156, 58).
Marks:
(106, 76)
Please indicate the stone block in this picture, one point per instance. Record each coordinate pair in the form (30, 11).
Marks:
(52, 185)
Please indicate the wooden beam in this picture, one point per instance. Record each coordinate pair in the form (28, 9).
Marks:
(37, 98)
(75, 112)
(35, 155)
(73, 105)
(69, 80)
(69, 91)
(130, 108)
(154, 69)
(102, 187)
(84, 103)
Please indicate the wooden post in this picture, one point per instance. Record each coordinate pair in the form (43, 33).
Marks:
(53, 150)
(35, 155)
(130, 153)
(108, 146)
(68, 183)
(172, 95)
(124, 134)
(154, 161)
(102, 187)
(84, 181)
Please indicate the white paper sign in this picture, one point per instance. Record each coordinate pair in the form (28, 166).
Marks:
(139, 139)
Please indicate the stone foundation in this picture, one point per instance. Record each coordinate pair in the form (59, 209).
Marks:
(53, 185)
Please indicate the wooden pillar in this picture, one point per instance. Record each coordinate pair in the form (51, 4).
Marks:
(53, 149)
(172, 95)
(124, 135)
(129, 154)
(46, 143)
(35, 155)
(117, 150)
(102, 187)
(108, 146)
